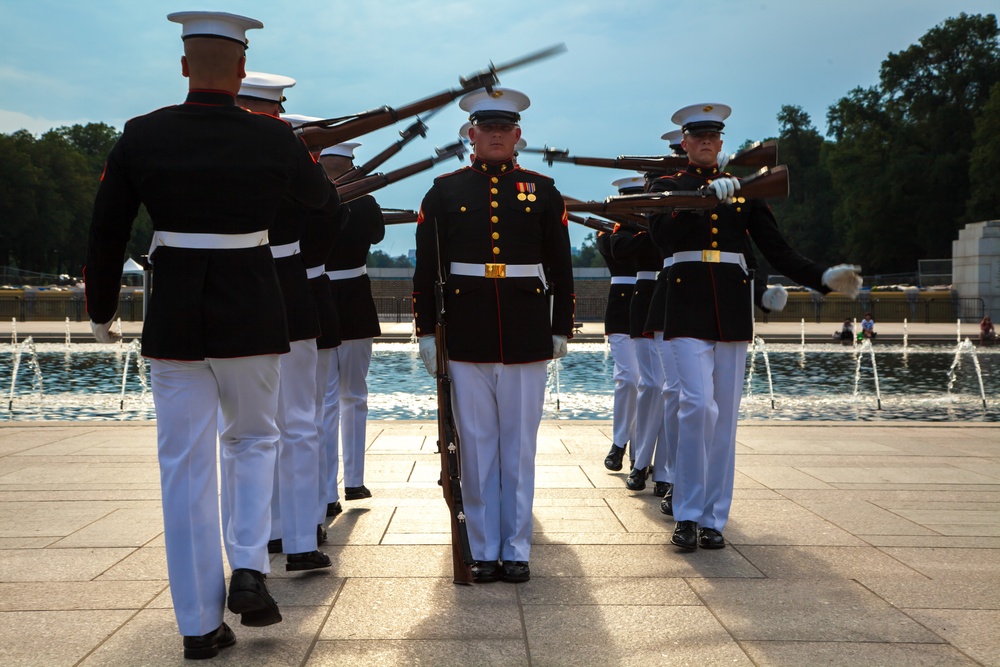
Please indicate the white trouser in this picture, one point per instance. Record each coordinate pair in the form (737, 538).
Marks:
(331, 426)
(711, 379)
(296, 473)
(665, 459)
(649, 401)
(354, 357)
(190, 397)
(626, 386)
(323, 358)
(498, 410)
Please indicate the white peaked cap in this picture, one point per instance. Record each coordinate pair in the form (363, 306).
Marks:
(673, 137)
(215, 24)
(463, 132)
(263, 86)
(499, 105)
(296, 119)
(630, 182)
(345, 149)
(702, 117)
(520, 145)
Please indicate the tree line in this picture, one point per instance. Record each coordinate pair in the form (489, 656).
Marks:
(902, 167)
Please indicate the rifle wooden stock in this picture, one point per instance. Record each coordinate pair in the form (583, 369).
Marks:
(760, 154)
(396, 217)
(418, 129)
(316, 136)
(323, 133)
(449, 448)
(623, 218)
(766, 183)
(368, 184)
(593, 223)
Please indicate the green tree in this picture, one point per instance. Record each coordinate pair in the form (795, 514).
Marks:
(900, 165)
(984, 163)
(806, 216)
(587, 255)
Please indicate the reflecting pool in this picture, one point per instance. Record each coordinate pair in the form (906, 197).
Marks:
(813, 382)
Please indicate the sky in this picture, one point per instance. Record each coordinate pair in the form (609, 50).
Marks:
(628, 66)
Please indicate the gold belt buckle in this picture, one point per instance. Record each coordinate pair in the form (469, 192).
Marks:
(496, 270)
(713, 256)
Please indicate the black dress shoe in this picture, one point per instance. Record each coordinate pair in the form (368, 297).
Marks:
(613, 461)
(485, 571)
(636, 479)
(310, 560)
(207, 646)
(274, 546)
(320, 534)
(667, 505)
(356, 492)
(333, 509)
(685, 535)
(248, 595)
(515, 571)
(710, 538)
(662, 489)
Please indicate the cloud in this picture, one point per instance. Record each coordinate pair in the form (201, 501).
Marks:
(12, 121)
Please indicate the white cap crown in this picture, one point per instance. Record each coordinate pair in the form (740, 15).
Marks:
(345, 149)
(215, 24)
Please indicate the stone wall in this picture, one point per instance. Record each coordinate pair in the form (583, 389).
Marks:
(976, 264)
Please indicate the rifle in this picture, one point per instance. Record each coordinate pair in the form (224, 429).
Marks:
(765, 183)
(332, 131)
(368, 184)
(397, 216)
(621, 217)
(418, 129)
(759, 154)
(448, 442)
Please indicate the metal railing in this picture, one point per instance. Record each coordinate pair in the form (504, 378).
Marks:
(54, 307)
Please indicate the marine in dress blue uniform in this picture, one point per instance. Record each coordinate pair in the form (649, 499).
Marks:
(212, 177)
(616, 321)
(346, 409)
(505, 257)
(709, 320)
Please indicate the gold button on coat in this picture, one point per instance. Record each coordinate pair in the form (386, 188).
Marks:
(496, 251)
(495, 179)
(494, 204)
(462, 209)
(715, 230)
(494, 190)
(715, 244)
(494, 219)
(496, 236)
(715, 216)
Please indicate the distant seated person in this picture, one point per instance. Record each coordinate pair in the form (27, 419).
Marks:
(846, 333)
(868, 327)
(987, 334)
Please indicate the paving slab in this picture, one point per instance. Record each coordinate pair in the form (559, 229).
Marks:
(848, 544)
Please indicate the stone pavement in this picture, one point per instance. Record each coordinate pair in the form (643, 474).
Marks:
(849, 544)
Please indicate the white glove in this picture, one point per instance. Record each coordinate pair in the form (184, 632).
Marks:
(724, 187)
(428, 353)
(723, 160)
(844, 278)
(559, 348)
(103, 333)
(774, 298)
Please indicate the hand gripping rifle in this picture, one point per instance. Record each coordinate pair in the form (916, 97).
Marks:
(448, 443)
(332, 131)
(363, 186)
(398, 216)
(417, 129)
(764, 184)
(759, 154)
